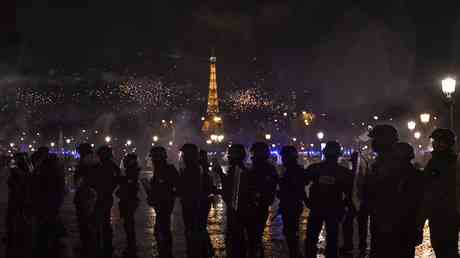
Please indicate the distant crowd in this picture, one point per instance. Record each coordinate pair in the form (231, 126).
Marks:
(388, 197)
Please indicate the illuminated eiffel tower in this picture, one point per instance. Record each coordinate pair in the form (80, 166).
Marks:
(213, 124)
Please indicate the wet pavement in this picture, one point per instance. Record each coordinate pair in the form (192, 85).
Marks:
(275, 246)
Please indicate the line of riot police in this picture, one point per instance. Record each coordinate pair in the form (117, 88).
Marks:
(394, 199)
(36, 190)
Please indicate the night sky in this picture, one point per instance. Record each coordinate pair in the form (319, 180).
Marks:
(340, 57)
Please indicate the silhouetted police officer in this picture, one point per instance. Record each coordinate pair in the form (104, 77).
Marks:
(350, 214)
(49, 194)
(330, 193)
(406, 202)
(195, 188)
(204, 161)
(83, 194)
(104, 182)
(363, 171)
(162, 195)
(381, 192)
(264, 180)
(19, 211)
(235, 188)
(440, 203)
(127, 192)
(292, 196)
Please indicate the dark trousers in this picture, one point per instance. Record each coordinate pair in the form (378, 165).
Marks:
(47, 232)
(83, 222)
(314, 226)
(444, 233)
(347, 228)
(163, 233)
(102, 229)
(127, 212)
(260, 220)
(243, 234)
(196, 232)
(20, 233)
(291, 215)
(364, 223)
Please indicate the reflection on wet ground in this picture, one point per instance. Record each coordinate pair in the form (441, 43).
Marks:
(145, 219)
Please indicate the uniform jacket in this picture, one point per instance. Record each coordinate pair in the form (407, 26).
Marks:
(228, 186)
(263, 180)
(129, 185)
(442, 182)
(292, 186)
(104, 180)
(331, 185)
(195, 186)
(163, 184)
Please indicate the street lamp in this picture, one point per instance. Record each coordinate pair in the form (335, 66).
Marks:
(68, 141)
(155, 138)
(129, 142)
(417, 135)
(220, 138)
(448, 88)
(425, 118)
(320, 136)
(411, 125)
(108, 139)
(268, 137)
(52, 144)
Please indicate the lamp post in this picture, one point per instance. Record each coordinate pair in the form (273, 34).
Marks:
(268, 137)
(411, 125)
(425, 118)
(320, 136)
(448, 88)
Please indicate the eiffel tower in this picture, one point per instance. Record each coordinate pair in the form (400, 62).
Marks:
(213, 124)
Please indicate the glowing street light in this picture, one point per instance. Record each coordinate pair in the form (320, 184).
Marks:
(448, 88)
(170, 143)
(108, 139)
(425, 118)
(129, 142)
(68, 140)
(294, 139)
(268, 137)
(376, 118)
(11, 144)
(155, 138)
(417, 135)
(320, 136)
(411, 125)
(52, 144)
(285, 114)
